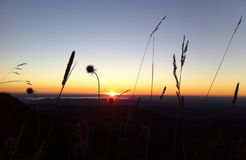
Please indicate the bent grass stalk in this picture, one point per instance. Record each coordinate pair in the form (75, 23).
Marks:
(178, 87)
(14, 70)
(145, 51)
(118, 97)
(17, 81)
(91, 69)
(222, 60)
(178, 80)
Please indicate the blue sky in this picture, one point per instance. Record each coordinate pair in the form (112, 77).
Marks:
(112, 35)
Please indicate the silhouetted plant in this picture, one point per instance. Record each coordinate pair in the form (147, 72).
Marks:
(145, 51)
(118, 97)
(178, 87)
(17, 81)
(235, 95)
(32, 92)
(152, 69)
(178, 80)
(67, 74)
(222, 60)
(29, 91)
(14, 70)
(91, 69)
(163, 92)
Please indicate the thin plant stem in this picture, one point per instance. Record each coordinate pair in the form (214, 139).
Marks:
(59, 96)
(15, 81)
(222, 60)
(140, 67)
(12, 70)
(152, 73)
(180, 75)
(98, 86)
(145, 51)
(6, 75)
(118, 97)
(150, 107)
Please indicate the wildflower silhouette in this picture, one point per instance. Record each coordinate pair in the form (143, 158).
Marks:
(91, 69)
(29, 91)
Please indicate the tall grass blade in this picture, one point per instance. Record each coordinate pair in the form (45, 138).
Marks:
(152, 71)
(66, 75)
(70, 62)
(222, 60)
(145, 51)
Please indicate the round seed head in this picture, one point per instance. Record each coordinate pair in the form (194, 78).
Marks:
(29, 91)
(90, 69)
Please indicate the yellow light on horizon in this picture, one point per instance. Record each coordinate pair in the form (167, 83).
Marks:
(112, 93)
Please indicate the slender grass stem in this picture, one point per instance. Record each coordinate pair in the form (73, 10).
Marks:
(222, 60)
(152, 73)
(16, 81)
(145, 51)
(98, 85)
(140, 67)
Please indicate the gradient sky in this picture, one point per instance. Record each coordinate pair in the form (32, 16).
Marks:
(112, 35)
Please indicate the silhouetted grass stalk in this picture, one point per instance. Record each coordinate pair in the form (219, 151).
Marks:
(222, 60)
(91, 69)
(178, 87)
(150, 107)
(235, 95)
(66, 75)
(145, 51)
(31, 91)
(163, 92)
(179, 80)
(13, 70)
(98, 87)
(118, 97)
(152, 69)
(17, 81)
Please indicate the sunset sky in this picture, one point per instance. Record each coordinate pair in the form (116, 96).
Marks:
(112, 36)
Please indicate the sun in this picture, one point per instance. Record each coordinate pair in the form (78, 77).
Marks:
(112, 93)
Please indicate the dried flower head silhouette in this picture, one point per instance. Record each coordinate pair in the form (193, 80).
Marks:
(91, 69)
(29, 91)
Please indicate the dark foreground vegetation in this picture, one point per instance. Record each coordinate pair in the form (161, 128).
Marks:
(111, 132)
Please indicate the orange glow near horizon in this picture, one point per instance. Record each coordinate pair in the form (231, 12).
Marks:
(113, 88)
